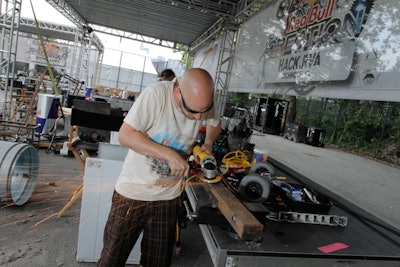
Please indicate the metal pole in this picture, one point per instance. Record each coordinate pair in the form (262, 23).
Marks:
(119, 70)
(141, 81)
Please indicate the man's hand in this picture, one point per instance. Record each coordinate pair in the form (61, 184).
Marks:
(204, 148)
(178, 165)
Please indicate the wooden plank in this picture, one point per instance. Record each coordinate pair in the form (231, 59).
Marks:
(239, 217)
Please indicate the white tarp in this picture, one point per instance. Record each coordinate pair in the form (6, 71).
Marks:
(319, 48)
(127, 79)
(207, 57)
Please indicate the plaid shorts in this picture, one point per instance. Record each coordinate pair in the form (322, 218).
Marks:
(127, 219)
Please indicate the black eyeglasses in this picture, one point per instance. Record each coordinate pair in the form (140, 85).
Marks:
(191, 110)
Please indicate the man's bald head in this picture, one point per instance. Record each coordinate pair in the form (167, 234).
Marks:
(196, 88)
(197, 83)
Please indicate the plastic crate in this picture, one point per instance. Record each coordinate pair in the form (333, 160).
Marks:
(287, 192)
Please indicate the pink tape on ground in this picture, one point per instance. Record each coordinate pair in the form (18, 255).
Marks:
(333, 247)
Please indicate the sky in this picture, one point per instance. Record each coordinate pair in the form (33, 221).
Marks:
(45, 12)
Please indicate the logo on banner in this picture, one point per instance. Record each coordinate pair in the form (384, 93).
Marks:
(317, 35)
(56, 53)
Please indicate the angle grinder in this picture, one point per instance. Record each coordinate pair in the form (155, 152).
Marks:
(208, 163)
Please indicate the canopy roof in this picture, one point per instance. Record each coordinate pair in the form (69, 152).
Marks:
(179, 22)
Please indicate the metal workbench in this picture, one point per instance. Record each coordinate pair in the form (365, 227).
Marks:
(365, 241)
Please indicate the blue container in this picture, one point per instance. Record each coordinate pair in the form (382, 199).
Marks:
(88, 93)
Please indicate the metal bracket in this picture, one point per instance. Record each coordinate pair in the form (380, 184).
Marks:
(190, 214)
(309, 218)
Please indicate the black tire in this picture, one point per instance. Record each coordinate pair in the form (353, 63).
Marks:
(254, 188)
(262, 167)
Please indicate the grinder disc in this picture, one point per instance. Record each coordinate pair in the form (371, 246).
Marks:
(213, 180)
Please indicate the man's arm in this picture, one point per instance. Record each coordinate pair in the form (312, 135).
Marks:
(142, 144)
(212, 133)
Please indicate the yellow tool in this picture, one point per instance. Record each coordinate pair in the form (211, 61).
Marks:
(209, 171)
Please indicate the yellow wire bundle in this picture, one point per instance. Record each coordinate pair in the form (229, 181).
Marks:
(236, 159)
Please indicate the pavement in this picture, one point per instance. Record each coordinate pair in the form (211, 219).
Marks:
(26, 239)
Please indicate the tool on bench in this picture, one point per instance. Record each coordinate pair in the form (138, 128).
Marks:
(209, 171)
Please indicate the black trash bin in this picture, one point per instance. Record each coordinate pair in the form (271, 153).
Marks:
(295, 132)
(315, 137)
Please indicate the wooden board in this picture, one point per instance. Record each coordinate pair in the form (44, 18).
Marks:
(239, 217)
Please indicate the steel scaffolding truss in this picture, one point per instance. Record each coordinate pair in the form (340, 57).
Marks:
(84, 41)
(135, 37)
(244, 11)
(58, 31)
(83, 38)
(54, 30)
(9, 21)
(225, 62)
(227, 31)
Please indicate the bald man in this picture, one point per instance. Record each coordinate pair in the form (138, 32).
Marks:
(159, 130)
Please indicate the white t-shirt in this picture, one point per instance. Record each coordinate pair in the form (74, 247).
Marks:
(155, 114)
